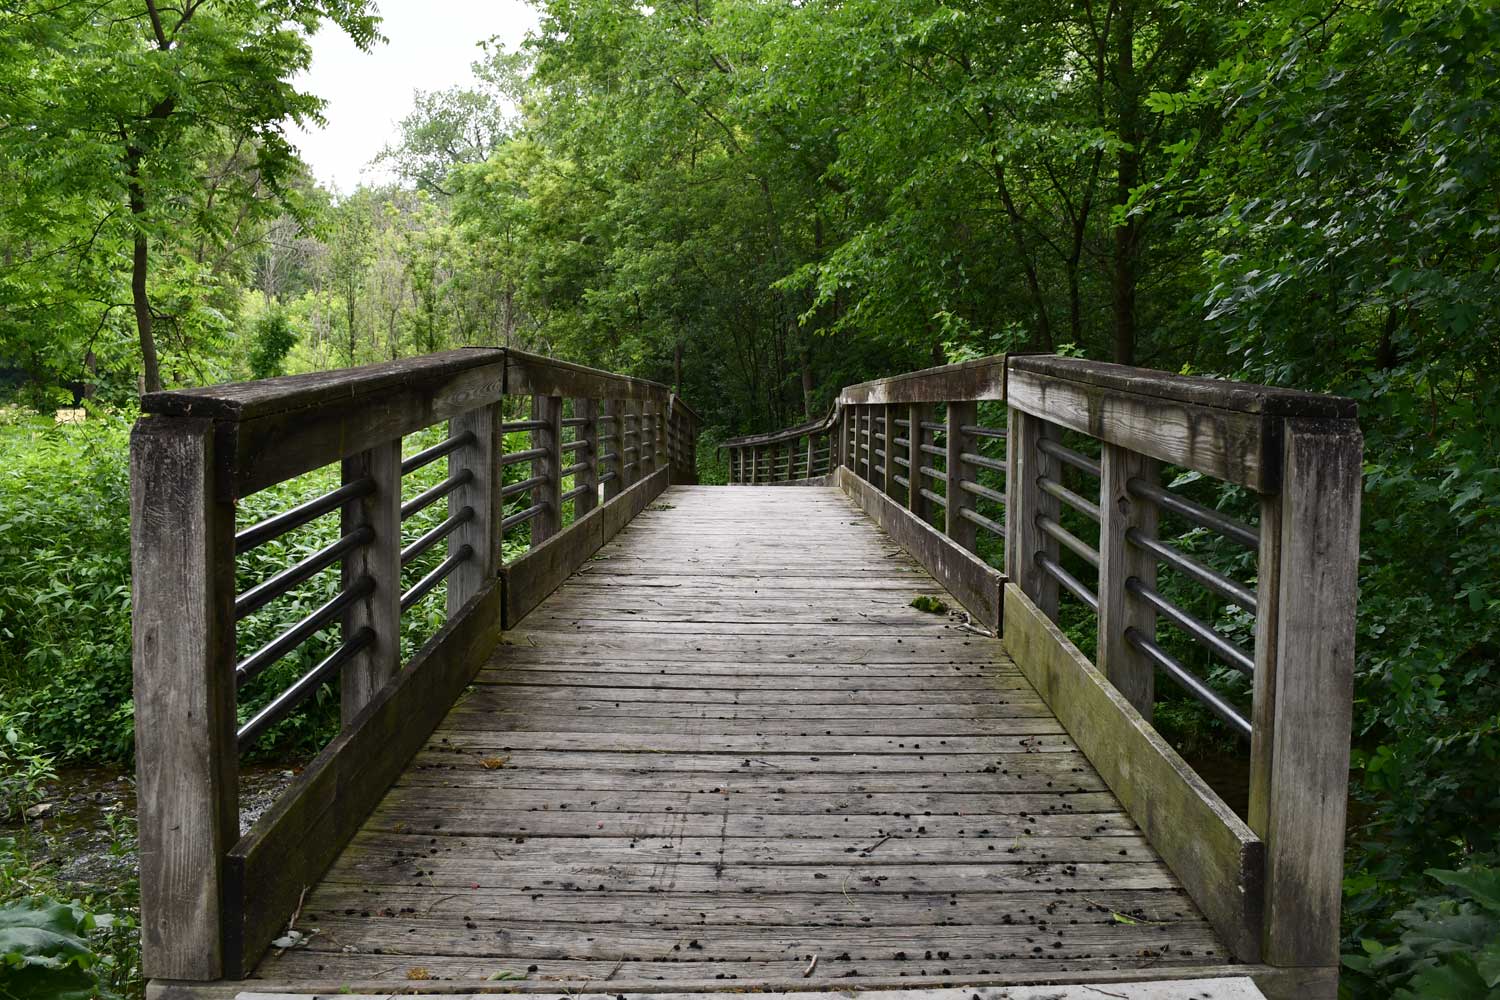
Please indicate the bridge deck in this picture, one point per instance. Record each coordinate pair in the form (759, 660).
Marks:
(730, 754)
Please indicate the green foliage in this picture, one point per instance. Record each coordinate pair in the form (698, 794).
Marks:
(272, 340)
(1449, 947)
(24, 769)
(45, 953)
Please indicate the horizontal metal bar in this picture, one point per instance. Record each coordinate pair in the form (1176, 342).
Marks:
(1197, 629)
(439, 573)
(632, 433)
(435, 493)
(879, 435)
(1185, 564)
(979, 490)
(576, 491)
(901, 461)
(267, 591)
(901, 480)
(609, 456)
(575, 421)
(287, 701)
(523, 486)
(573, 445)
(932, 449)
(638, 451)
(979, 430)
(523, 425)
(902, 422)
(880, 453)
(1054, 488)
(934, 426)
(429, 455)
(970, 514)
(1085, 551)
(1071, 583)
(936, 498)
(437, 534)
(932, 473)
(299, 633)
(1200, 515)
(1068, 456)
(1190, 682)
(279, 524)
(608, 476)
(574, 469)
(517, 457)
(982, 461)
(903, 442)
(514, 519)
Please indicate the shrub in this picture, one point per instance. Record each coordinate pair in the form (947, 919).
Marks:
(45, 953)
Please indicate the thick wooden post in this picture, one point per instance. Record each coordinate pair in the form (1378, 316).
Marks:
(812, 455)
(889, 468)
(959, 528)
(548, 521)
(615, 443)
(1300, 783)
(588, 478)
(481, 533)
(368, 670)
(1024, 503)
(1126, 667)
(187, 762)
(917, 435)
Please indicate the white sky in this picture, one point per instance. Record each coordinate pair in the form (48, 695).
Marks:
(431, 45)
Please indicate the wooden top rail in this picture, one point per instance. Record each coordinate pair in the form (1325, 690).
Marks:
(212, 899)
(1074, 476)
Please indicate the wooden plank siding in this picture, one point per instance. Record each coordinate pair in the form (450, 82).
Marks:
(726, 754)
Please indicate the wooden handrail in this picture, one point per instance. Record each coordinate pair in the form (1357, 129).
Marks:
(211, 899)
(1271, 884)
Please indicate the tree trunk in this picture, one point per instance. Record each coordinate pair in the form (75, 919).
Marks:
(139, 260)
(1128, 233)
(807, 382)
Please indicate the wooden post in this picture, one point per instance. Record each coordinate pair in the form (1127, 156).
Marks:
(615, 442)
(187, 762)
(548, 522)
(960, 529)
(482, 460)
(917, 436)
(890, 468)
(369, 670)
(1024, 502)
(735, 460)
(867, 421)
(1126, 667)
(588, 433)
(1300, 784)
(812, 457)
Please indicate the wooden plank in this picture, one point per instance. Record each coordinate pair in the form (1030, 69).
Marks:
(974, 582)
(482, 495)
(534, 375)
(1236, 988)
(292, 843)
(372, 668)
(532, 577)
(182, 625)
(548, 467)
(981, 378)
(1313, 689)
(1242, 397)
(1127, 668)
(1219, 859)
(1231, 445)
(1025, 503)
(271, 430)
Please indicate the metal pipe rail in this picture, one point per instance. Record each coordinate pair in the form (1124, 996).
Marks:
(213, 900)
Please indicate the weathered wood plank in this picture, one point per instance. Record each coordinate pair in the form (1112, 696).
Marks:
(1219, 859)
(295, 840)
(182, 618)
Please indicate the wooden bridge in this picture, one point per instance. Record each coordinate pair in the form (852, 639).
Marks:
(800, 734)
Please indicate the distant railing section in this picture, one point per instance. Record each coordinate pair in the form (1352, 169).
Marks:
(793, 455)
(1095, 502)
(598, 448)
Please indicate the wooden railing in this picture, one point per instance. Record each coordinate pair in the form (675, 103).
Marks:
(797, 454)
(1095, 498)
(599, 447)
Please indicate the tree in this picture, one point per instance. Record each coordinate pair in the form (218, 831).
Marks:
(117, 107)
